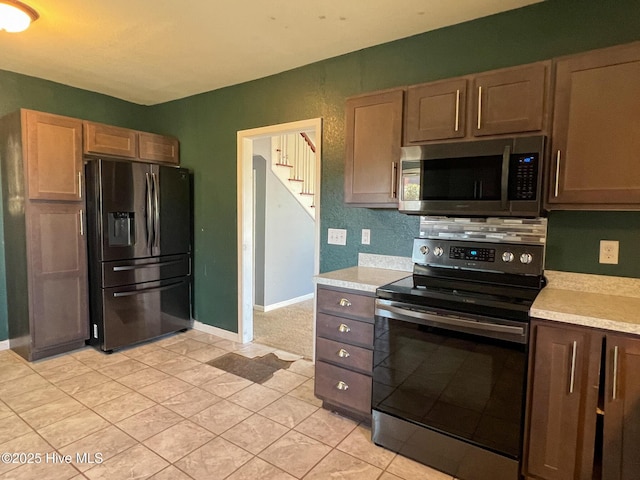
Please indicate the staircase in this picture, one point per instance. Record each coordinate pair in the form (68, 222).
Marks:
(293, 160)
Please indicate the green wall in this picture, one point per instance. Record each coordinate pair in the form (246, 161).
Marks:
(20, 91)
(207, 125)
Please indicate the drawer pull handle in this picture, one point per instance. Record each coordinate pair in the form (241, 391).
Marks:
(342, 353)
(344, 302)
(344, 328)
(342, 386)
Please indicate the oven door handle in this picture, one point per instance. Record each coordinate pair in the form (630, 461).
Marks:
(385, 305)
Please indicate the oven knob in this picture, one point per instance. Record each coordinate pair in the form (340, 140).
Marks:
(526, 258)
(507, 257)
(424, 249)
(438, 251)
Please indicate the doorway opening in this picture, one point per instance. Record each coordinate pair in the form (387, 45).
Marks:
(253, 244)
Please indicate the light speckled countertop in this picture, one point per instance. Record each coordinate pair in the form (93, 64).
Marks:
(611, 303)
(599, 301)
(372, 272)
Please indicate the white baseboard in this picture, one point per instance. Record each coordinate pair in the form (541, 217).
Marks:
(219, 332)
(4, 345)
(286, 303)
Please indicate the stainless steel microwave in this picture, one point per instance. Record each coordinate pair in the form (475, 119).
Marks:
(500, 177)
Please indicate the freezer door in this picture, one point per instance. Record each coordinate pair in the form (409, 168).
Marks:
(172, 210)
(126, 213)
(128, 272)
(136, 313)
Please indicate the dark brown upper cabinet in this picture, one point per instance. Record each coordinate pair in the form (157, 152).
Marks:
(54, 156)
(100, 139)
(510, 100)
(595, 140)
(373, 139)
(158, 148)
(110, 140)
(506, 101)
(436, 111)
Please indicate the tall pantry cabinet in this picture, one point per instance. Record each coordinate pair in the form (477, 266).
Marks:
(43, 211)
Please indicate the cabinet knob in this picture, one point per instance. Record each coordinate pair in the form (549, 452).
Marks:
(345, 302)
(344, 328)
(342, 353)
(342, 386)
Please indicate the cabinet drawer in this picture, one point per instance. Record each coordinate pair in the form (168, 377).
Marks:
(346, 304)
(343, 387)
(348, 356)
(344, 330)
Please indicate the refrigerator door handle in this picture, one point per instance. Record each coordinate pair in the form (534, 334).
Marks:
(126, 268)
(142, 291)
(156, 211)
(149, 212)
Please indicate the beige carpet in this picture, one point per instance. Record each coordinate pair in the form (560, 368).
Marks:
(288, 328)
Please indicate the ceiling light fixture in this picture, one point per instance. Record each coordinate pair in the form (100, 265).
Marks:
(16, 16)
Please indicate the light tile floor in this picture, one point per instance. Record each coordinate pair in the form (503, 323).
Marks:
(157, 411)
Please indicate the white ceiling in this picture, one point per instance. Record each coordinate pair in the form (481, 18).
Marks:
(153, 51)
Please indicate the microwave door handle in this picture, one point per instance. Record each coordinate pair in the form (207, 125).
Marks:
(504, 193)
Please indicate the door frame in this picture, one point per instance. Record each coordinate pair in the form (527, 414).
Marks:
(245, 213)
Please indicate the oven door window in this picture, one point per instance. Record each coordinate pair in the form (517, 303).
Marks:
(468, 178)
(462, 385)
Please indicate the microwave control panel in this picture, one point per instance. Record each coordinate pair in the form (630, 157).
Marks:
(523, 173)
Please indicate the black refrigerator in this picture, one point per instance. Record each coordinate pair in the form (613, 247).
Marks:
(139, 233)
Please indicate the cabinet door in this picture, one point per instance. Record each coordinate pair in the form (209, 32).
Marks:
(595, 130)
(53, 156)
(373, 138)
(435, 111)
(620, 459)
(561, 435)
(58, 273)
(511, 100)
(110, 140)
(159, 148)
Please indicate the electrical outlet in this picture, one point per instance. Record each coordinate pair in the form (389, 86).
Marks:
(337, 236)
(609, 251)
(366, 236)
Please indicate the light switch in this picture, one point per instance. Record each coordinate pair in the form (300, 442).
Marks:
(337, 236)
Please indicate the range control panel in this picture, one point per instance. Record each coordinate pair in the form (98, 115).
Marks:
(520, 259)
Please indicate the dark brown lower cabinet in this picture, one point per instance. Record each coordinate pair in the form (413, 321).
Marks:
(583, 407)
(621, 439)
(58, 274)
(344, 351)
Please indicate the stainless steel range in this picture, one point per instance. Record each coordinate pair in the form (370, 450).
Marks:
(451, 343)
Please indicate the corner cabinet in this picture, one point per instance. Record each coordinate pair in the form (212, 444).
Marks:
(373, 140)
(582, 411)
(506, 101)
(595, 131)
(344, 351)
(45, 248)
